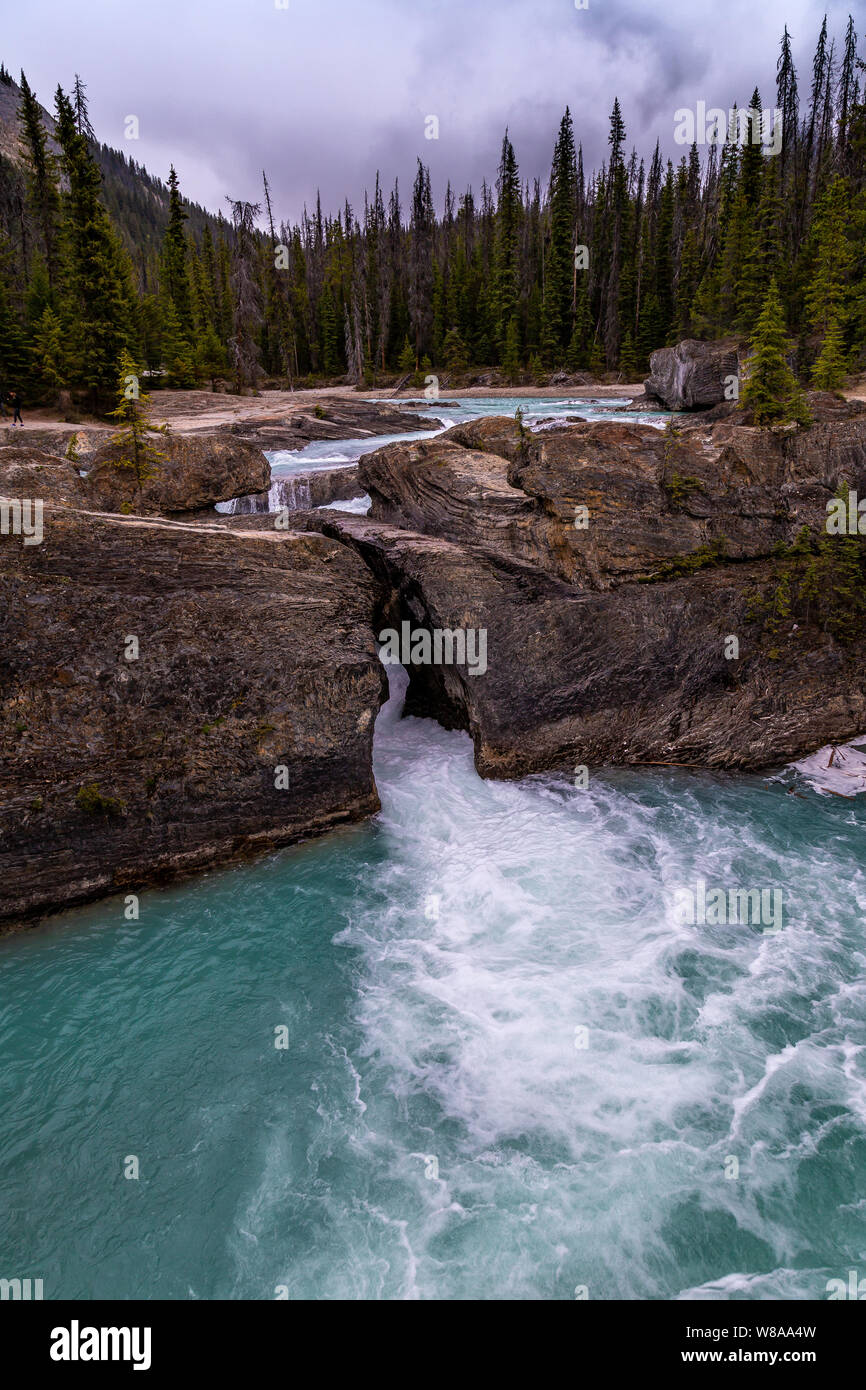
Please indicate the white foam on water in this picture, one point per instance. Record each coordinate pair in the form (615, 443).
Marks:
(358, 506)
(495, 1155)
(503, 917)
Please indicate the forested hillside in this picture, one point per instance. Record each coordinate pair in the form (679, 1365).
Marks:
(588, 269)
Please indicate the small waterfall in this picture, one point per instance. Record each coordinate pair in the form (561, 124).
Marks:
(293, 493)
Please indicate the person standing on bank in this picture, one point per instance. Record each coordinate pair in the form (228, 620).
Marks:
(15, 402)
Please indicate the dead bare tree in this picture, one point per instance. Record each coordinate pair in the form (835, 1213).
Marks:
(247, 316)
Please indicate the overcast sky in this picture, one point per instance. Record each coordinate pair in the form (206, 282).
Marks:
(323, 93)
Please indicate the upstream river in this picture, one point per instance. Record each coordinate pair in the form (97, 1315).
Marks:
(469, 1049)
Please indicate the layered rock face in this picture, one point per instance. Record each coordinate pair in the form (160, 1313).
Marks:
(580, 678)
(337, 418)
(653, 498)
(172, 695)
(691, 375)
(612, 643)
(194, 471)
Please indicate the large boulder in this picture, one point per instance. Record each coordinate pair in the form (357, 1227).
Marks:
(243, 721)
(193, 471)
(653, 498)
(691, 375)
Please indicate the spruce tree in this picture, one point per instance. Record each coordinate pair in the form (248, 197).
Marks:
(13, 350)
(506, 268)
(454, 353)
(771, 390)
(511, 352)
(48, 352)
(406, 361)
(175, 270)
(96, 293)
(136, 451)
(421, 230)
(80, 111)
(559, 263)
(628, 358)
(751, 157)
(833, 257)
(829, 371)
(42, 182)
(763, 242)
(210, 356)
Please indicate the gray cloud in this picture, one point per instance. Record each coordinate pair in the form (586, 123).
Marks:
(325, 92)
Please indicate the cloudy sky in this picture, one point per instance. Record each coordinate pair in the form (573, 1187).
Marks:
(322, 93)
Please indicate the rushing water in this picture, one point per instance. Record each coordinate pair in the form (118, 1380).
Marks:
(512, 1069)
(436, 1127)
(331, 453)
(322, 455)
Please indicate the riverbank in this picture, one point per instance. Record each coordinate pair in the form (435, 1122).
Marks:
(192, 411)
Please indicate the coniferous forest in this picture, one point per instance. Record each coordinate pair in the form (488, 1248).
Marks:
(97, 258)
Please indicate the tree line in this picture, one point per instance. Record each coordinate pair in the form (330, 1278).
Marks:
(584, 272)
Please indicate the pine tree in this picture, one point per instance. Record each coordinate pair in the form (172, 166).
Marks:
(454, 354)
(175, 272)
(559, 264)
(506, 281)
(751, 158)
(211, 358)
(787, 102)
(97, 292)
(42, 183)
(79, 106)
(828, 290)
(48, 352)
(328, 333)
(829, 371)
(614, 242)
(663, 286)
(406, 361)
(421, 262)
(279, 297)
(13, 347)
(628, 358)
(771, 390)
(136, 452)
(511, 352)
(762, 251)
(687, 284)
